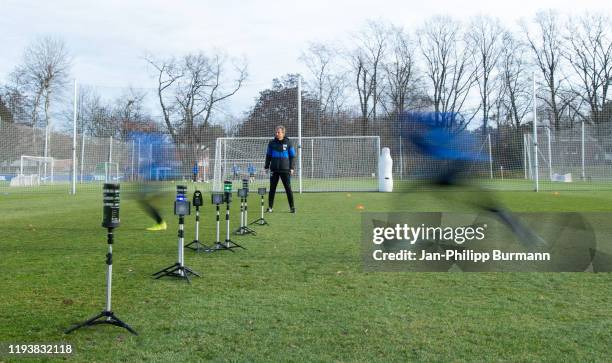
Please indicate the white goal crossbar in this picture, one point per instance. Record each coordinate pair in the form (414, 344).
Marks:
(334, 163)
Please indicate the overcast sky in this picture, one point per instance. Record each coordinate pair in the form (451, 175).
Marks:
(108, 39)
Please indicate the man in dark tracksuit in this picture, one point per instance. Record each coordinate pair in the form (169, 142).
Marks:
(279, 159)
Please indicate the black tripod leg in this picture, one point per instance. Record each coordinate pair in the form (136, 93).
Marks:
(222, 247)
(186, 276)
(85, 323)
(260, 221)
(112, 319)
(188, 270)
(235, 245)
(165, 270)
(120, 323)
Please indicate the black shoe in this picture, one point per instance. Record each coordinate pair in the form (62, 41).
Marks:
(292, 210)
(269, 210)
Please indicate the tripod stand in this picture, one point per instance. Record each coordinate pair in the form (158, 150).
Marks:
(178, 269)
(243, 229)
(228, 244)
(107, 316)
(196, 242)
(261, 221)
(218, 245)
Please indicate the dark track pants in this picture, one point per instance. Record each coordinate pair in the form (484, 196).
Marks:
(286, 179)
(148, 197)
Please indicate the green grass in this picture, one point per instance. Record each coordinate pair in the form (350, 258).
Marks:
(339, 184)
(297, 294)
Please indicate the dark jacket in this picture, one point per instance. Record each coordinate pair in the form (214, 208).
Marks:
(280, 155)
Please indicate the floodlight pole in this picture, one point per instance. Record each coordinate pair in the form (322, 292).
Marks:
(74, 140)
(299, 116)
(82, 152)
(550, 173)
(312, 158)
(401, 156)
(529, 161)
(490, 155)
(583, 174)
(110, 150)
(535, 135)
(132, 162)
(138, 161)
(525, 155)
(46, 152)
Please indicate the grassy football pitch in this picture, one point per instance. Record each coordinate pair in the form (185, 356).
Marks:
(297, 293)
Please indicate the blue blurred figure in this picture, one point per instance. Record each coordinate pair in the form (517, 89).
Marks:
(434, 135)
(154, 165)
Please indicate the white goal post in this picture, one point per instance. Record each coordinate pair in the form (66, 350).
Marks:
(37, 170)
(329, 163)
(41, 166)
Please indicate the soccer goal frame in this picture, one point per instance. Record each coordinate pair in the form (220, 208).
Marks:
(329, 163)
(40, 159)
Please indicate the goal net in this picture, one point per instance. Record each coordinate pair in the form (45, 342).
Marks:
(342, 163)
(569, 156)
(37, 170)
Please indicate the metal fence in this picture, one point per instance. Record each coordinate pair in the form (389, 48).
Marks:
(572, 152)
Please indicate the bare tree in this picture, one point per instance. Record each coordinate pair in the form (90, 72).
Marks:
(363, 86)
(94, 114)
(15, 104)
(447, 67)
(337, 96)
(590, 54)
(484, 38)
(513, 73)
(547, 45)
(400, 70)
(128, 112)
(189, 89)
(44, 72)
(327, 81)
(366, 61)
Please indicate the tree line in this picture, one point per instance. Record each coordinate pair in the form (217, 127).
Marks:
(479, 68)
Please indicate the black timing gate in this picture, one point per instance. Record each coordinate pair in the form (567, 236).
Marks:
(228, 244)
(110, 220)
(244, 194)
(261, 221)
(196, 245)
(181, 209)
